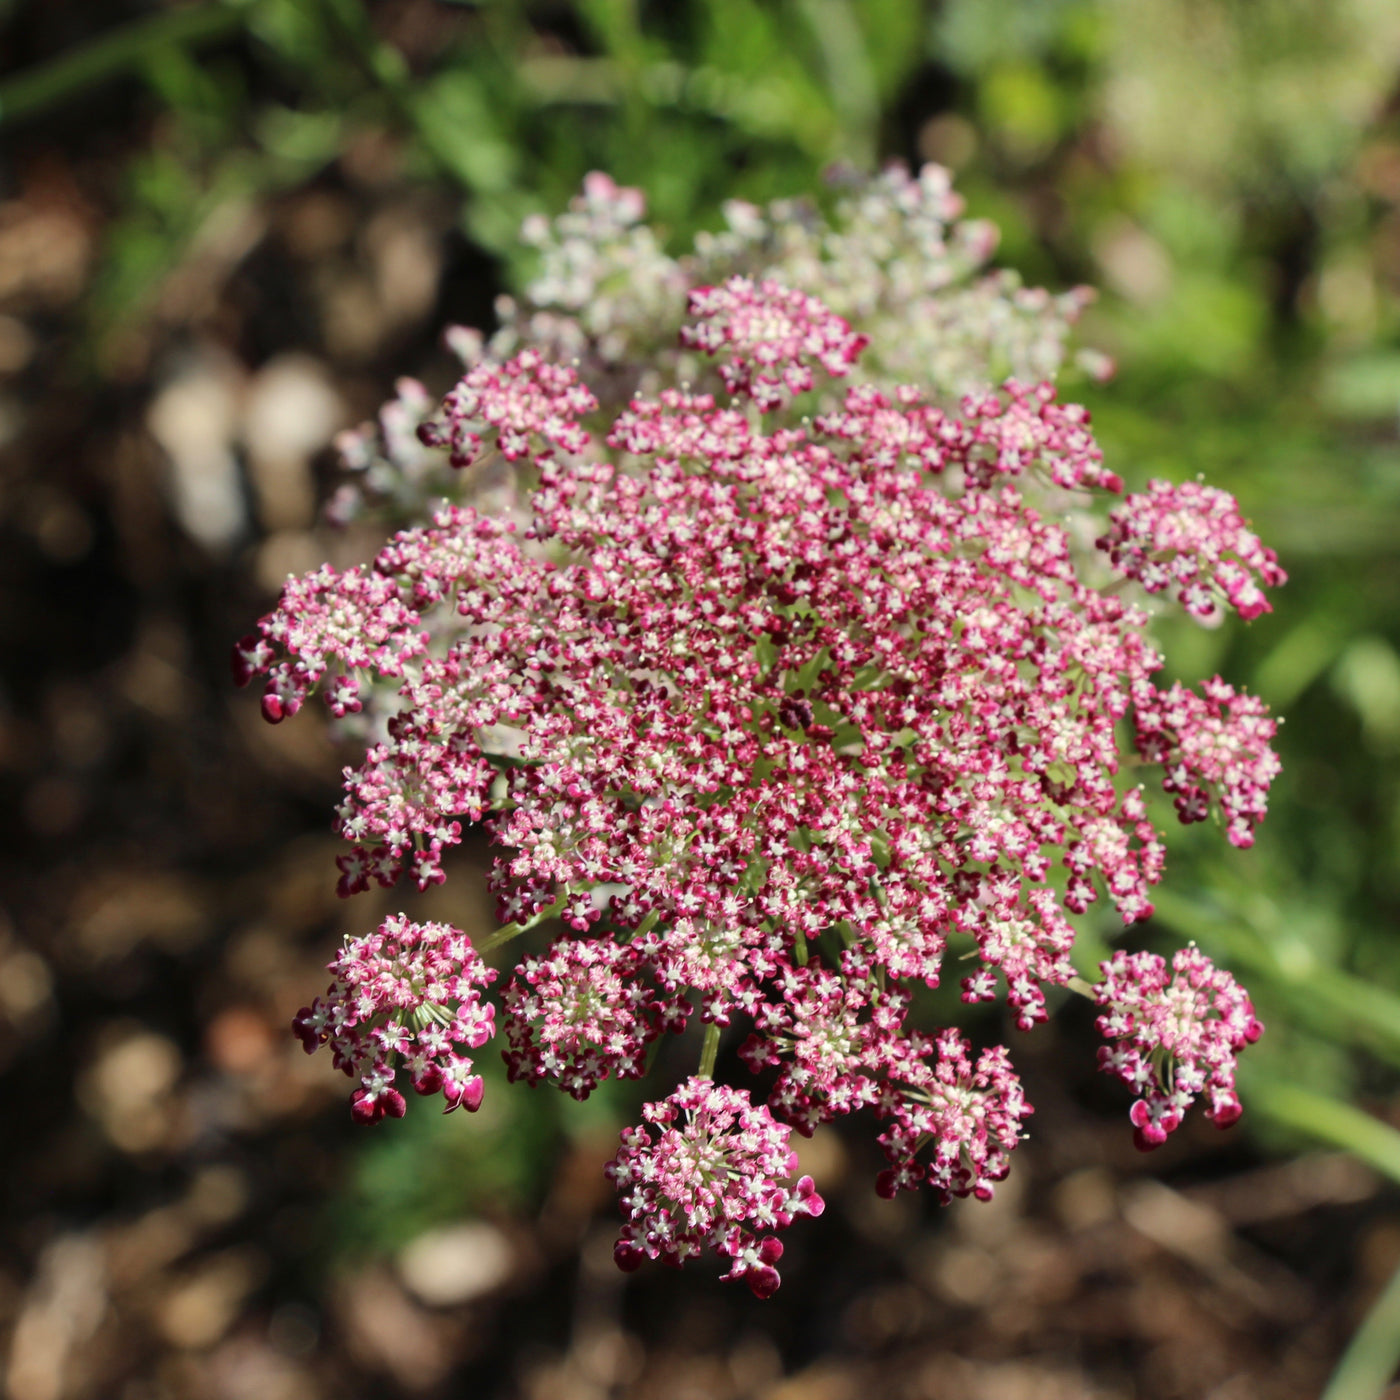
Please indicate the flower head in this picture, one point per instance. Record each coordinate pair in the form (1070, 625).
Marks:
(582, 1013)
(968, 1116)
(407, 996)
(1174, 1036)
(1214, 747)
(1192, 538)
(829, 1033)
(770, 337)
(712, 1172)
(775, 711)
(524, 401)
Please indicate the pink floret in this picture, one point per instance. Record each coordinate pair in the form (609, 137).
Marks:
(408, 996)
(1192, 539)
(712, 1172)
(1173, 1036)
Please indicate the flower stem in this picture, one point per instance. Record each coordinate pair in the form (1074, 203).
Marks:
(709, 1052)
(1085, 989)
(509, 931)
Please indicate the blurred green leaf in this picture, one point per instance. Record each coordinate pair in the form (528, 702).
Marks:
(1370, 1360)
(118, 51)
(894, 37)
(455, 115)
(1366, 386)
(1322, 1119)
(1022, 106)
(435, 1167)
(1367, 676)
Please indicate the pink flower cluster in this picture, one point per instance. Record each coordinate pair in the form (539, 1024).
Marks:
(1192, 538)
(712, 1176)
(775, 714)
(357, 621)
(581, 1014)
(1214, 744)
(1029, 429)
(517, 402)
(409, 996)
(890, 253)
(771, 336)
(971, 1114)
(1175, 1036)
(840, 1045)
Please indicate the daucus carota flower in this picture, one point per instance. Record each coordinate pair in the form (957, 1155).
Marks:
(775, 705)
(1192, 539)
(966, 1116)
(406, 997)
(893, 257)
(1175, 1037)
(711, 1172)
(522, 401)
(771, 337)
(830, 1036)
(1213, 748)
(583, 1013)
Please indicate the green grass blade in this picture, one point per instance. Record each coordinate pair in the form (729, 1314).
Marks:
(1369, 1362)
(116, 52)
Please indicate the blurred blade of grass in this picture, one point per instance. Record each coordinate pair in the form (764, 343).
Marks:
(1372, 1355)
(1374, 1352)
(451, 116)
(1343, 1007)
(182, 204)
(1329, 1120)
(1296, 661)
(779, 107)
(746, 55)
(850, 76)
(119, 51)
(894, 40)
(617, 26)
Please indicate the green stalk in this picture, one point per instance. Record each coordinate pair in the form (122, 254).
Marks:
(1328, 1120)
(849, 80)
(709, 1052)
(505, 933)
(1369, 1362)
(1371, 1357)
(385, 67)
(120, 50)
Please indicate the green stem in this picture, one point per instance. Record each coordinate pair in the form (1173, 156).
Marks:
(849, 80)
(118, 51)
(1085, 989)
(509, 931)
(709, 1052)
(506, 763)
(1370, 1359)
(1326, 1119)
